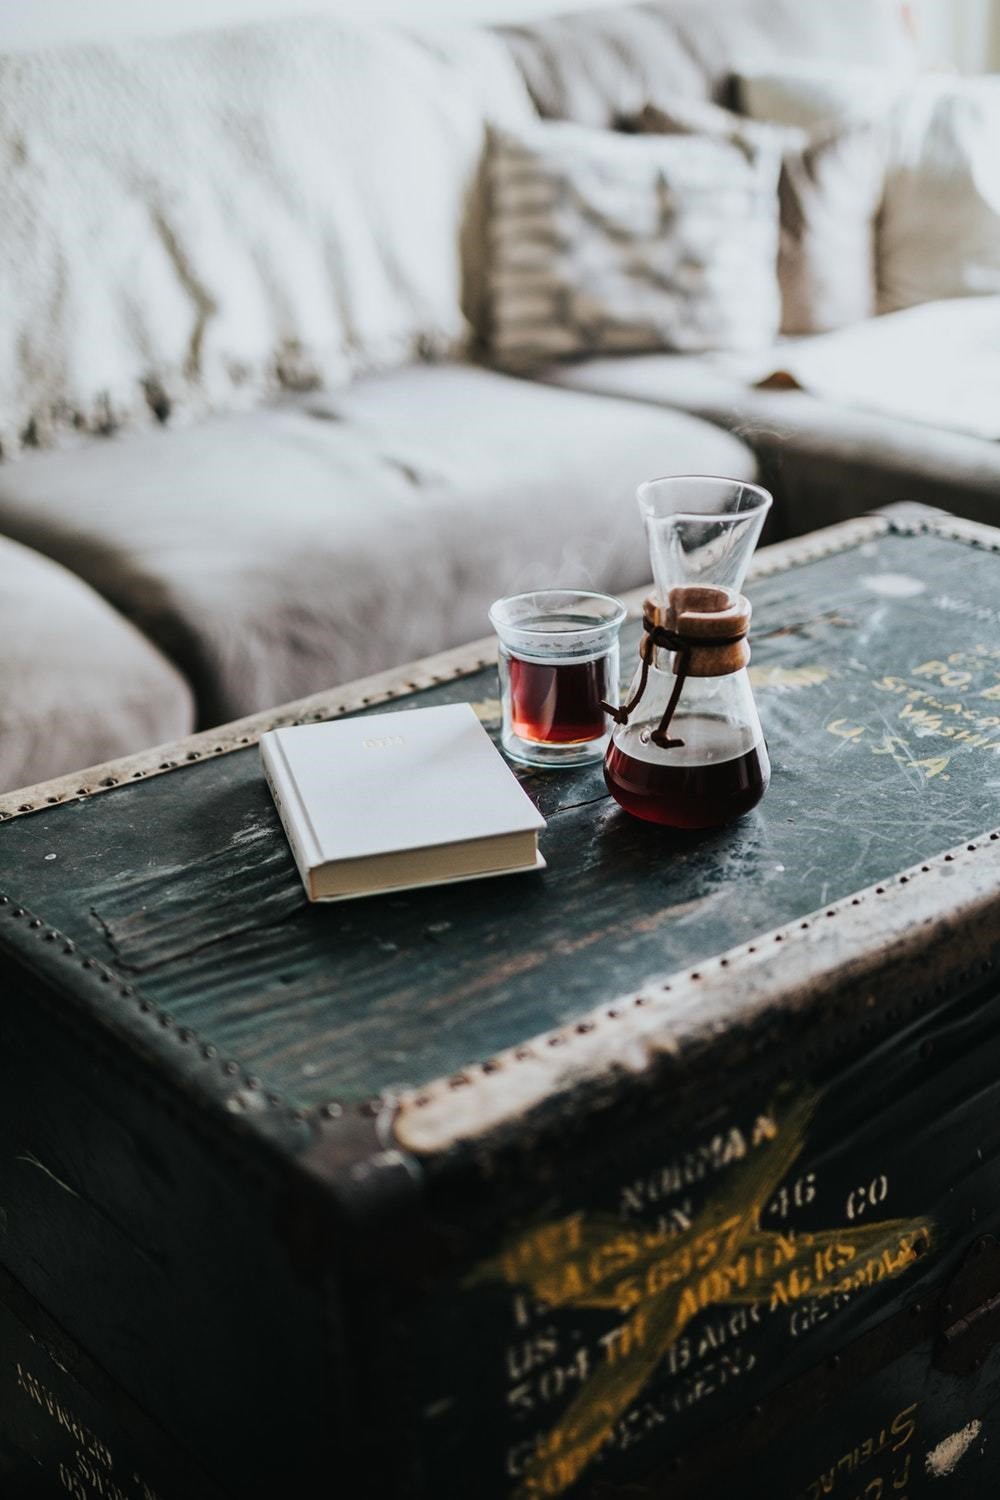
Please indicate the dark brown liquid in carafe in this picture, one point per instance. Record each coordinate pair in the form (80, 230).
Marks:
(557, 703)
(710, 788)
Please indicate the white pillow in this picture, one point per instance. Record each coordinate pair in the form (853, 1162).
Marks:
(603, 242)
(829, 192)
(939, 230)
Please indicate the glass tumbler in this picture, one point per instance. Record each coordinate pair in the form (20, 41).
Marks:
(558, 665)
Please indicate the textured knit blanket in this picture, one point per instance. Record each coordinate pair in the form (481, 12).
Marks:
(188, 222)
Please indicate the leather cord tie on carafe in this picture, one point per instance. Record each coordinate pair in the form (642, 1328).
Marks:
(707, 630)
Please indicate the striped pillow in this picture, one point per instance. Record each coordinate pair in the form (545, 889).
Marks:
(602, 243)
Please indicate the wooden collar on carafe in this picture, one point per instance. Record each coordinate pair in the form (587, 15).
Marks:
(706, 628)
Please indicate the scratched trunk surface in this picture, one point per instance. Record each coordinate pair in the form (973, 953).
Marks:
(534, 1187)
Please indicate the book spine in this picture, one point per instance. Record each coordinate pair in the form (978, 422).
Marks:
(289, 809)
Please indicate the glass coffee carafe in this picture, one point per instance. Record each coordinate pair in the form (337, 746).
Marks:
(687, 749)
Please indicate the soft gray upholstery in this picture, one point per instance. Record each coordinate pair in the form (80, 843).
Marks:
(79, 683)
(276, 553)
(824, 462)
(597, 65)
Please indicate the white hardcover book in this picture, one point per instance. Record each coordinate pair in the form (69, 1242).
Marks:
(398, 800)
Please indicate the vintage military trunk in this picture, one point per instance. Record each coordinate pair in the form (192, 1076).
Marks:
(674, 1171)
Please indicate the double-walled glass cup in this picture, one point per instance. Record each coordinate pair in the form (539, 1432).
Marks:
(558, 664)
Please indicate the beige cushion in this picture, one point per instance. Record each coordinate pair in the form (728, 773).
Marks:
(78, 684)
(939, 229)
(830, 191)
(599, 64)
(605, 242)
(193, 221)
(941, 222)
(279, 552)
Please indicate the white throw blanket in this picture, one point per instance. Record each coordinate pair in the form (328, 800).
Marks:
(187, 222)
(939, 363)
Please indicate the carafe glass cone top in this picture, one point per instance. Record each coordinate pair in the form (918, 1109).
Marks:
(687, 750)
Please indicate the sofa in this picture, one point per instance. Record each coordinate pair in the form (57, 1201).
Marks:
(247, 461)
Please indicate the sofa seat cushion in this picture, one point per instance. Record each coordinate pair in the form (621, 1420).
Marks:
(825, 462)
(78, 684)
(274, 553)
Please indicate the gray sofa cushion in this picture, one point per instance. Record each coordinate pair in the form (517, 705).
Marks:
(282, 551)
(78, 684)
(600, 64)
(824, 462)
